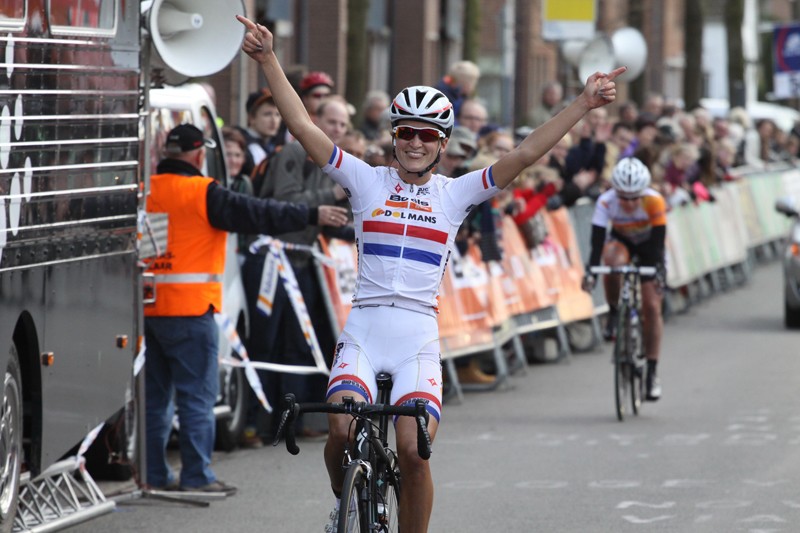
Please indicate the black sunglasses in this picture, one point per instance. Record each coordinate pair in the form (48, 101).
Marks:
(426, 135)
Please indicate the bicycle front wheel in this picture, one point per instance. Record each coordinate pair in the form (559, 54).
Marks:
(388, 498)
(352, 518)
(622, 370)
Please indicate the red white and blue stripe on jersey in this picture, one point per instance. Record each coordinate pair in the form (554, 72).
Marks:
(336, 157)
(395, 239)
(348, 383)
(486, 178)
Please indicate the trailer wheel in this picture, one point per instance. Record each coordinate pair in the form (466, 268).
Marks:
(10, 442)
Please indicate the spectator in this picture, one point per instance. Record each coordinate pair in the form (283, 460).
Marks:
(681, 171)
(314, 88)
(621, 137)
(534, 191)
(498, 143)
(459, 83)
(236, 156)
(726, 158)
(180, 330)
(589, 155)
(628, 112)
(375, 155)
(645, 134)
(473, 116)
(654, 105)
(263, 131)
(459, 151)
(354, 143)
(375, 124)
(769, 149)
(278, 338)
(551, 102)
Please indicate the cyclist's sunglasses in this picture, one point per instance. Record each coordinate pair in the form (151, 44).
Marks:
(426, 135)
(628, 198)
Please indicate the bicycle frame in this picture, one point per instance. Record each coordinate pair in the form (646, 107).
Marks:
(369, 461)
(628, 357)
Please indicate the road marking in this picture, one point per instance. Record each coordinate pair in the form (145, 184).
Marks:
(628, 504)
(636, 520)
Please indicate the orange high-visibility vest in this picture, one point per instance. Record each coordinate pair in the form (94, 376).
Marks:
(188, 276)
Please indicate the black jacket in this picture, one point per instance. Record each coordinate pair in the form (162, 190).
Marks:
(235, 212)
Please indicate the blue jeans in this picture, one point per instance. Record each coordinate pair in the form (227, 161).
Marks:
(181, 362)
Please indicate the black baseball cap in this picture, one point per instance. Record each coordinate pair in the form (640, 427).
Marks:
(185, 138)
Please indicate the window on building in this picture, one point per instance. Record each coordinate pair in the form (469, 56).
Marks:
(83, 17)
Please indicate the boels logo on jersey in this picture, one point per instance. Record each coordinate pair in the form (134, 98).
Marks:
(396, 202)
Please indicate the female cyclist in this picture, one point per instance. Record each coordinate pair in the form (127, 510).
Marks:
(406, 218)
(637, 216)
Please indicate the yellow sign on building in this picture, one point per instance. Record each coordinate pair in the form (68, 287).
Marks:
(568, 19)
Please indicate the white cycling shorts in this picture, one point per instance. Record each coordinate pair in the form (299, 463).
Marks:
(398, 341)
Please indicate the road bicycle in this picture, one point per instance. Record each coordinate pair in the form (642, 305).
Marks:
(628, 358)
(372, 481)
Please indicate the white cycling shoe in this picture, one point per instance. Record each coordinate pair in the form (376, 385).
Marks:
(333, 521)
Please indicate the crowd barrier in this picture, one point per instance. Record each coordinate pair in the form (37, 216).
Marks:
(494, 307)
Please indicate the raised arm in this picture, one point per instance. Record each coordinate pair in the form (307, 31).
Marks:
(258, 45)
(600, 90)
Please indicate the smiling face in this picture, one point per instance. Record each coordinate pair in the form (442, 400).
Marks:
(416, 154)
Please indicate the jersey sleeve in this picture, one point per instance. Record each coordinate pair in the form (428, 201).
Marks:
(461, 194)
(602, 212)
(358, 179)
(656, 207)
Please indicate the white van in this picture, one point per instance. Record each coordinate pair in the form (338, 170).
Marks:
(191, 103)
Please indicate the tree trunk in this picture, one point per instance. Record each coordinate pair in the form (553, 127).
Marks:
(472, 29)
(356, 54)
(693, 46)
(734, 13)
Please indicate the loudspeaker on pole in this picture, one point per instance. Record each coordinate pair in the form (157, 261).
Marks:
(625, 46)
(193, 38)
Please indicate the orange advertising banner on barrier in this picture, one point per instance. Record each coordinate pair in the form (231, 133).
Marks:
(573, 303)
(526, 274)
(340, 281)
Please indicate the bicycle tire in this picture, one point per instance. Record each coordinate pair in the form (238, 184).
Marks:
(352, 518)
(637, 374)
(388, 500)
(621, 368)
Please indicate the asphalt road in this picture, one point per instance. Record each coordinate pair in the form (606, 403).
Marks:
(718, 453)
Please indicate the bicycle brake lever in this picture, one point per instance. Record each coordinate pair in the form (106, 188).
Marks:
(423, 437)
(290, 412)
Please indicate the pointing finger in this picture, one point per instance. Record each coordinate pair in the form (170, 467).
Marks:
(247, 22)
(616, 72)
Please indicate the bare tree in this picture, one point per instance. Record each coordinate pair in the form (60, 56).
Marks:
(356, 87)
(693, 50)
(734, 15)
(472, 29)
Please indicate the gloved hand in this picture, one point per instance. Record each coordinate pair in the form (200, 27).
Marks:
(589, 281)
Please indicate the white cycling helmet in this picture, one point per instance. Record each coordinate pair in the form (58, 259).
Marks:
(423, 103)
(630, 177)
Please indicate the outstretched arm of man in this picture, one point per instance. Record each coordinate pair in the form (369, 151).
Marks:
(257, 44)
(600, 90)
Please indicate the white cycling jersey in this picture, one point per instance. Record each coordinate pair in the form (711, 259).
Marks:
(404, 232)
(634, 226)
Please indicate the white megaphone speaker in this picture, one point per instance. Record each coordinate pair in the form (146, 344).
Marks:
(193, 38)
(626, 47)
(630, 49)
(597, 56)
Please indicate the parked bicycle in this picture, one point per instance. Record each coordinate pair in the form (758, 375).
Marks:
(628, 357)
(372, 481)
